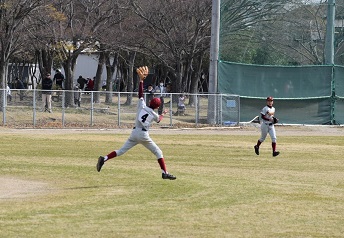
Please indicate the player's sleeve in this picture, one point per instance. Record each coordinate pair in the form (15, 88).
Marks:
(141, 104)
(141, 90)
(157, 118)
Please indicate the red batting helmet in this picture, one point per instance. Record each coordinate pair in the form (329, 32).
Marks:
(154, 103)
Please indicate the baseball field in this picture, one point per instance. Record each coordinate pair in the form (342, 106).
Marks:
(50, 186)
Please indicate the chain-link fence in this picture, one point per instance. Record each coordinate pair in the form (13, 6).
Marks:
(102, 109)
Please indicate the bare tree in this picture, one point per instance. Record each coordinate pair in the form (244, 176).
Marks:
(14, 23)
(175, 32)
(76, 27)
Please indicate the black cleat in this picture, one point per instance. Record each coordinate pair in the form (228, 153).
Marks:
(275, 153)
(168, 176)
(100, 163)
(256, 149)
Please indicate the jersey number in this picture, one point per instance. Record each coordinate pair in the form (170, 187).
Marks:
(144, 117)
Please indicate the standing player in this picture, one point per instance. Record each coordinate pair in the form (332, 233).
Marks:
(267, 126)
(139, 135)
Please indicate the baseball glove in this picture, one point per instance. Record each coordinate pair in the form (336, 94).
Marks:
(275, 120)
(142, 72)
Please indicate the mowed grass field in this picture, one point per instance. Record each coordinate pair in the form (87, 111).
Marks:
(51, 187)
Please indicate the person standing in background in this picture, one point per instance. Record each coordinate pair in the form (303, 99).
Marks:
(20, 85)
(77, 95)
(8, 92)
(81, 81)
(47, 84)
(150, 94)
(161, 92)
(59, 79)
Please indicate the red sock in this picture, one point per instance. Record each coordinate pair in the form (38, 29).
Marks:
(113, 154)
(273, 146)
(161, 162)
(258, 143)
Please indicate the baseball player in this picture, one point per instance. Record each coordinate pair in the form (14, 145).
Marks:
(267, 126)
(139, 135)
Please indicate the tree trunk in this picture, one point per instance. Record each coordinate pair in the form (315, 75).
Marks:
(98, 80)
(69, 66)
(194, 80)
(130, 85)
(3, 66)
(111, 70)
(179, 78)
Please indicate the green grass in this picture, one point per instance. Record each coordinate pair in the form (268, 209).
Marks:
(222, 189)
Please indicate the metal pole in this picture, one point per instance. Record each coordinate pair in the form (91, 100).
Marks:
(34, 107)
(329, 50)
(214, 52)
(119, 109)
(63, 108)
(171, 123)
(329, 40)
(92, 108)
(197, 110)
(4, 105)
(220, 110)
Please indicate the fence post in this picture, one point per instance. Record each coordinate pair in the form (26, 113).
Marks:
(119, 108)
(63, 107)
(34, 108)
(171, 108)
(220, 110)
(92, 108)
(196, 111)
(4, 103)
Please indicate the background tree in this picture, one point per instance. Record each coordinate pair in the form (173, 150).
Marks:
(14, 23)
(177, 33)
(77, 30)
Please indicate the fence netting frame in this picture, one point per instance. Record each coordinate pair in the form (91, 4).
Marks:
(25, 109)
(303, 94)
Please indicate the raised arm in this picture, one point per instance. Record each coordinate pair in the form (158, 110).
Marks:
(142, 73)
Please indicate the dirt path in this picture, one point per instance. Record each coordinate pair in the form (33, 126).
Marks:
(250, 129)
(17, 188)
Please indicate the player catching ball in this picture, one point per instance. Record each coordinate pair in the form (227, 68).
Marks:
(267, 126)
(139, 135)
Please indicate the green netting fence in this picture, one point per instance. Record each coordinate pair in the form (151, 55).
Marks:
(303, 94)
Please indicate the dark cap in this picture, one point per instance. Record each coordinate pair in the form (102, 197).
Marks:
(269, 98)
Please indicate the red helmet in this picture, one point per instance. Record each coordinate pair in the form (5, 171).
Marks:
(154, 103)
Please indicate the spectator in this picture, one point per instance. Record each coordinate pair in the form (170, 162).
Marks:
(58, 79)
(181, 104)
(90, 84)
(77, 94)
(47, 84)
(104, 85)
(161, 92)
(81, 81)
(20, 85)
(8, 92)
(150, 94)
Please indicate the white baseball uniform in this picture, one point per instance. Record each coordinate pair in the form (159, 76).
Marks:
(139, 135)
(267, 126)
